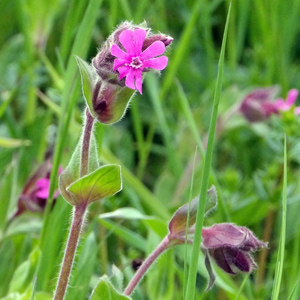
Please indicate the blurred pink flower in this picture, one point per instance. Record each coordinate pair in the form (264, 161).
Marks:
(259, 105)
(36, 191)
(287, 104)
(132, 63)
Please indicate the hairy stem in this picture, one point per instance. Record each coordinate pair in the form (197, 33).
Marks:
(79, 214)
(88, 129)
(146, 265)
(78, 219)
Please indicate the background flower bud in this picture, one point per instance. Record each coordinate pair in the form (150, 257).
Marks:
(259, 104)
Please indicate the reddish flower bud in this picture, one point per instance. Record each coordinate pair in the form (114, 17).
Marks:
(36, 191)
(230, 246)
(259, 104)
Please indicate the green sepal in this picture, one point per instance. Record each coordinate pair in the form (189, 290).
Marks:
(105, 291)
(72, 172)
(182, 216)
(103, 182)
(88, 78)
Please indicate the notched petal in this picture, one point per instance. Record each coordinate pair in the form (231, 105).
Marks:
(157, 48)
(158, 63)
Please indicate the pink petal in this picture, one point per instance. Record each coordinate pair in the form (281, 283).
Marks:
(123, 71)
(126, 39)
(119, 62)
(43, 185)
(134, 79)
(155, 49)
(222, 235)
(282, 105)
(138, 80)
(158, 63)
(130, 79)
(291, 96)
(139, 36)
(297, 110)
(116, 51)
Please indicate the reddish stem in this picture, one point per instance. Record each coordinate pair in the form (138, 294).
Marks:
(145, 266)
(85, 147)
(70, 251)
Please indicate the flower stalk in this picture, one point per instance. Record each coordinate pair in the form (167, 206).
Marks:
(146, 265)
(64, 276)
(78, 216)
(88, 129)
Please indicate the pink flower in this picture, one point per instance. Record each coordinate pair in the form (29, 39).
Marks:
(43, 185)
(36, 191)
(132, 62)
(285, 105)
(258, 105)
(230, 246)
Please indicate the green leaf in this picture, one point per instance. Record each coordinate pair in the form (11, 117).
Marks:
(179, 220)
(88, 76)
(24, 273)
(125, 213)
(72, 172)
(105, 291)
(117, 278)
(13, 143)
(104, 182)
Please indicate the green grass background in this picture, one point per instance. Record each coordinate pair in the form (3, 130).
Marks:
(41, 107)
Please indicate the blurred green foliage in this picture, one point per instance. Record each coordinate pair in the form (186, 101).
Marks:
(40, 115)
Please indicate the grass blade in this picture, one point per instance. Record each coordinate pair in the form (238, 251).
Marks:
(190, 293)
(281, 249)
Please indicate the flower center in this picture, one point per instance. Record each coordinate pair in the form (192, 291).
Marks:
(136, 62)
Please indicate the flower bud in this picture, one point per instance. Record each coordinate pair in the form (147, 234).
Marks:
(36, 191)
(110, 101)
(259, 104)
(230, 246)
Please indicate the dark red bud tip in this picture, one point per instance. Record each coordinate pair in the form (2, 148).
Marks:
(101, 106)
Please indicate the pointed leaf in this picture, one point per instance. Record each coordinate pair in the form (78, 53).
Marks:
(88, 76)
(71, 173)
(179, 220)
(125, 213)
(104, 182)
(117, 278)
(105, 291)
